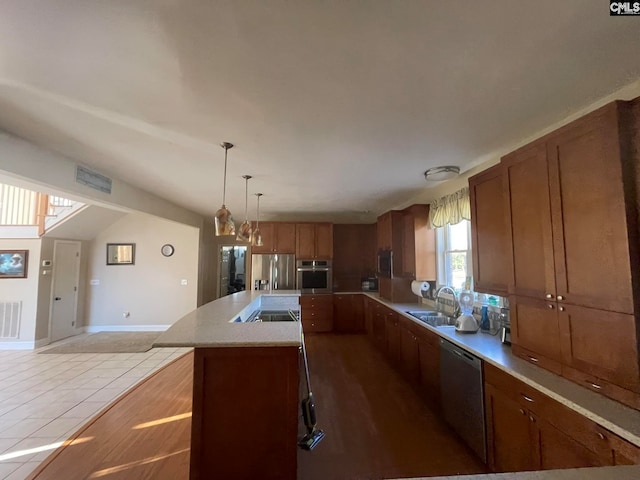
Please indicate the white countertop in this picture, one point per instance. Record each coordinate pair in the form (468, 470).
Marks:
(209, 325)
(612, 415)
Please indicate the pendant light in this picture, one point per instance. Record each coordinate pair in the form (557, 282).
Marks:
(257, 236)
(244, 232)
(223, 218)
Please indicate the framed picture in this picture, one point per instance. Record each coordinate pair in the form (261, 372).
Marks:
(121, 253)
(13, 263)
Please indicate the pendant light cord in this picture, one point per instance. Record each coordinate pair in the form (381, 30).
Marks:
(258, 214)
(224, 183)
(246, 198)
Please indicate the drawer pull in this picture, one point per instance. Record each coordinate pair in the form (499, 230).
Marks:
(533, 359)
(600, 436)
(560, 298)
(594, 385)
(533, 420)
(561, 309)
(528, 399)
(549, 296)
(550, 306)
(522, 411)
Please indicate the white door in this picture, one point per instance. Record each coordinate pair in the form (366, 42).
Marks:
(64, 298)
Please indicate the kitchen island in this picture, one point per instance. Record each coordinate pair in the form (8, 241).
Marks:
(245, 386)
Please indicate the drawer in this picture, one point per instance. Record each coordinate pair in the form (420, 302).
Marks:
(520, 392)
(313, 301)
(312, 324)
(538, 360)
(603, 387)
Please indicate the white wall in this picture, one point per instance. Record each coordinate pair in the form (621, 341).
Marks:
(23, 289)
(150, 290)
(49, 170)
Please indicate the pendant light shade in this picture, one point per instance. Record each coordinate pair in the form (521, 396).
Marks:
(244, 232)
(257, 236)
(223, 218)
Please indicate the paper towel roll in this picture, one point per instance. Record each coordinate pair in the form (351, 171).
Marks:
(420, 288)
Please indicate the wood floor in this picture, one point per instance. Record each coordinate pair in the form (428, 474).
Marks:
(376, 426)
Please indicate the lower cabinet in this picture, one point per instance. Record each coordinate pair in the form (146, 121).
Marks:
(409, 352)
(526, 430)
(348, 313)
(392, 333)
(429, 359)
(316, 313)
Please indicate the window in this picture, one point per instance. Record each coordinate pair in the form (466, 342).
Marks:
(454, 254)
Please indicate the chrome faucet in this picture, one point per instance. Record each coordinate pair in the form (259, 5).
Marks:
(456, 304)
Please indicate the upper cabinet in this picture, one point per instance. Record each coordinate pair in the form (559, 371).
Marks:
(314, 241)
(277, 237)
(568, 215)
(572, 230)
(419, 244)
(489, 232)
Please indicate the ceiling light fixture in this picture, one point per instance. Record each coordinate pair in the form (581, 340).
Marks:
(437, 174)
(244, 232)
(257, 236)
(223, 218)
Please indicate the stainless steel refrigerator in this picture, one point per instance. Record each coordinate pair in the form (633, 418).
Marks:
(273, 272)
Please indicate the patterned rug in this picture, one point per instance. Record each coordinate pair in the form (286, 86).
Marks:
(108, 342)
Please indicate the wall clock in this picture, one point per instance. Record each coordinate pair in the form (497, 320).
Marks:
(167, 250)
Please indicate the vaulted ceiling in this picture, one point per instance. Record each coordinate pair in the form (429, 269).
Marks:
(336, 107)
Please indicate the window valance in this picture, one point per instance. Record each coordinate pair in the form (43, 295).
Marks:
(450, 209)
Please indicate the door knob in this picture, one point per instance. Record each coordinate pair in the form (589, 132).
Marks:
(58, 298)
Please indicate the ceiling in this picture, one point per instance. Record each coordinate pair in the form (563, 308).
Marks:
(336, 107)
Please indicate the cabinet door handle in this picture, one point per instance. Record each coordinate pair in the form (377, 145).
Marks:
(528, 399)
(532, 418)
(561, 309)
(594, 385)
(533, 359)
(560, 298)
(550, 306)
(600, 436)
(522, 411)
(549, 296)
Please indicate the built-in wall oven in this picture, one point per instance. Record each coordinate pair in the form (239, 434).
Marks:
(314, 276)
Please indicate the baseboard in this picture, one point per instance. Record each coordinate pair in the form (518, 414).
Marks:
(29, 345)
(42, 342)
(125, 328)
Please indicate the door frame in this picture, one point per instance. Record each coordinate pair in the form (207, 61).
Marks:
(53, 285)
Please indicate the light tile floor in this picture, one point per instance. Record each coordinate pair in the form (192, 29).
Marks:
(45, 398)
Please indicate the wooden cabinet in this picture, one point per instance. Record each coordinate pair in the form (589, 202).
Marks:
(489, 232)
(316, 313)
(569, 203)
(508, 433)
(429, 360)
(535, 332)
(369, 310)
(529, 239)
(418, 244)
(527, 430)
(314, 241)
(600, 344)
(348, 313)
(354, 255)
(392, 333)
(379, 328)
(277, 237)
(409, 352)
(225, 408)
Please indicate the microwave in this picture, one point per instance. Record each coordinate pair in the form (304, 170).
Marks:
(385, 263)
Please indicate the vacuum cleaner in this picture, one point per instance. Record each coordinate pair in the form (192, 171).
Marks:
(314, 434)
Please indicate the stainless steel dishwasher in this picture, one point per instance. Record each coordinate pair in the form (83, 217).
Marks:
(462, 395)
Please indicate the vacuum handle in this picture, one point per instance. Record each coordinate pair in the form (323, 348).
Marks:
(306, 365)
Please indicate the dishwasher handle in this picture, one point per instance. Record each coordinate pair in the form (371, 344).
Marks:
(462, 354)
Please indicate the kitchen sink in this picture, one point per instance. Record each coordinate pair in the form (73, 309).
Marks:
(433, 318)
